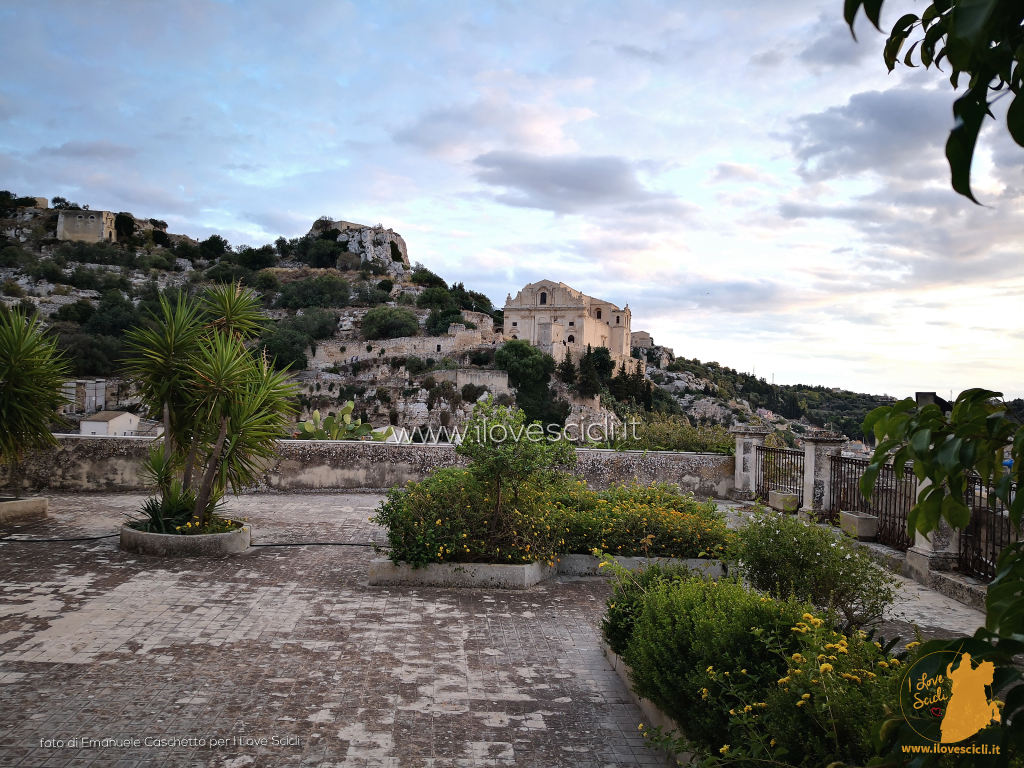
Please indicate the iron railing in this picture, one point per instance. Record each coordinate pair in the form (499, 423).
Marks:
(779, 469)
(891, 500)
(988, 532)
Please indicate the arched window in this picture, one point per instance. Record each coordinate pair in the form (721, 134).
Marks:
(572, 339)
(616, 319)
(92, 218)
(514, 336)
(543, 297)
(80, 216)
(598, 314)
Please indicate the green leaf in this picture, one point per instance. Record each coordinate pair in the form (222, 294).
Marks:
(1015, 119)
(969, 111)
(957, 514)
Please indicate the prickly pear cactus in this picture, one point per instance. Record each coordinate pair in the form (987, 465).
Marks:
(340, 427)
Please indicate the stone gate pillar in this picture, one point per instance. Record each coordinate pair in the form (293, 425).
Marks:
(819, 446)
(747, 436)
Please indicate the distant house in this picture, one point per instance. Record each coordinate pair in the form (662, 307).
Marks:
(86, 226)
(118, 423)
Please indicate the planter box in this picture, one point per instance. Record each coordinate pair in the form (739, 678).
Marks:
(384, 573)
(783, 502)
(861, 527)
(195, 545)
(653, 716)
(588, 565)
(12, 510)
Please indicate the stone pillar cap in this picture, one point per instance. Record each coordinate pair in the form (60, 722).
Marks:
(824, 436)
(751, 429)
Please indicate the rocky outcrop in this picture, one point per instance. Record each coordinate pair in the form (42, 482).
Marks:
(383, 246)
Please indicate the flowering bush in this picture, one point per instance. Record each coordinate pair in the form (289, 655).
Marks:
(779, 555)
(449, 517)
(752, 679)
(639, 521)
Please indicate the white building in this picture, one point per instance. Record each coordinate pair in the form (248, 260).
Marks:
(120, 423)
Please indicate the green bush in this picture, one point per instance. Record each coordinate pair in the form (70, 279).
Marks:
(256, 259)
(439, 320)
(77, 312)
(324, 291)
(389, 323)
(747, 676)
(435, 298)
(423, 276)
(664, 432)
(415, 365)
(780, 555)
(323, 254)
(639, 521)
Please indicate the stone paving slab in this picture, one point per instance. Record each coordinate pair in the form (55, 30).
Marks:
(290, 643)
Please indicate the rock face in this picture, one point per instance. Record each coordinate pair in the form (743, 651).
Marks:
(384, 246)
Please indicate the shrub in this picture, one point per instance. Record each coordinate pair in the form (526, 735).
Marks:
(258, 258)
(748, 675)
(640, 521)
(439, 320)
(664, 432)
(78, 312)
(781, 555)
(482, 357)
(471, 392)
(267, 281)
(423, 276)
(435, 298)
(324, 291)
(415, 365)
(385, 285)
(11, 288)
(389, 323)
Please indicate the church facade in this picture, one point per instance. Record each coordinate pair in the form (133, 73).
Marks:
(562, 321)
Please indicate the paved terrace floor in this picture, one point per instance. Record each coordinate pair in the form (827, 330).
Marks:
(291, 644)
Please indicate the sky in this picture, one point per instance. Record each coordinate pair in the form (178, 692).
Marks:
(750, 180)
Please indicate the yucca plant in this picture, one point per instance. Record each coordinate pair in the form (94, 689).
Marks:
(32, 373)
(223, 407)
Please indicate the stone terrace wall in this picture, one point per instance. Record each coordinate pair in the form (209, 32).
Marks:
(112, 464)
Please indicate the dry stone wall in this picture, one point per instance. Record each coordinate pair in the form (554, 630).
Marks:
(114, 464)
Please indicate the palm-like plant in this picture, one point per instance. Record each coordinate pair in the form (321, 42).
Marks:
(32, 372)
(223, 408)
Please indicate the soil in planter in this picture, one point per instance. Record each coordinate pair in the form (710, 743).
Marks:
(214, 524)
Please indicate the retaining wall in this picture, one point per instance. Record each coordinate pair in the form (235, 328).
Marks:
(112, 464)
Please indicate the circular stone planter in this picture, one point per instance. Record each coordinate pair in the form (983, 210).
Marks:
(195, 545)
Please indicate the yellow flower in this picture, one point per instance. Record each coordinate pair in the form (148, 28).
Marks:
(772, 743)
(724, 750)
(743, 671)
(912, 645)
(883, 665)
(842, 650)
(797, 672)
(783, 681)
(826, 668)
(798, 658)
(807, 616)
(821, 656)
(732, 711)
(709, 670)
(800, 703)
(640, 727)
(806, 696)
(747, 708)
(894, 662)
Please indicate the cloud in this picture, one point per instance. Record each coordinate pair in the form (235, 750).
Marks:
(90, 150)
(727, 172)
(494, 120)
(770, 58)
(898, 132)
(644, 54)
(833, 45)
(571, 184)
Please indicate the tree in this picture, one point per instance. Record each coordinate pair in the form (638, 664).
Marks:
(567, 370)
(529, 371)
(978, 38)
(124, 225)
(323, 254)
(214, 247)
(505, 454)
(257, 258)
(424, 277)
(588, 383)
(325, 291)
(389, 323)
(194, 370)
(32, 373)
(439, 320)
(435, 297)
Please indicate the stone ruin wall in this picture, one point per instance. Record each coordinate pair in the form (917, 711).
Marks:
(114, 464)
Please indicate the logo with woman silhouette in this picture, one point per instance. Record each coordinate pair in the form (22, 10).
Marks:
(952, 688)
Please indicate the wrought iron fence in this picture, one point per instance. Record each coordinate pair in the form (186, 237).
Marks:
(891, 500)
(779, 469)
(988, 532)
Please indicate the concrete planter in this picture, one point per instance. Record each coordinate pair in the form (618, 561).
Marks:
(384, 573)
(588, 565)
(783, 502)
(196, 545)
(17, 510)
(861, 527)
